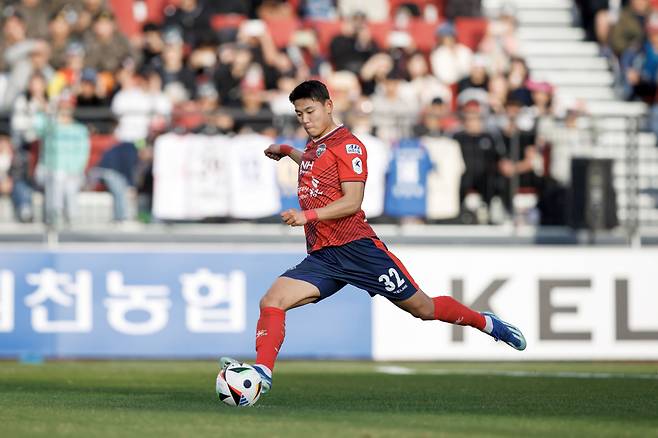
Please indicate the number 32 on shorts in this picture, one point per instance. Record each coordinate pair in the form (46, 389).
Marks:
(388, 284)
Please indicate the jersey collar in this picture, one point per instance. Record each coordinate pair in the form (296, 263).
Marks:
(327, 134)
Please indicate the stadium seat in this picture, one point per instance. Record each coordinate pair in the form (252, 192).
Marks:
(226, 21)
(325, 30)
(99, 144)
(470, 30)
(423, 34)
(282, 29)
(155, 10)
(380, 31)
(123, 11)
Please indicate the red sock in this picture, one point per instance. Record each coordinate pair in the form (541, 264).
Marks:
(270, 331)
(448, 309)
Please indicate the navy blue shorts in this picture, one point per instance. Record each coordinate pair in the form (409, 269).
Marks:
(364, 263)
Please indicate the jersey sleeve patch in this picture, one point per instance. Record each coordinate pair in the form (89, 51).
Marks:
(354, 149)
(357, 165)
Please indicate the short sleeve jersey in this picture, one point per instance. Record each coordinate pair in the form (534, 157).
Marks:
(327, 162)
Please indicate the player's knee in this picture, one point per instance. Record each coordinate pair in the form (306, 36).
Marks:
(426, 313)
(271, 300)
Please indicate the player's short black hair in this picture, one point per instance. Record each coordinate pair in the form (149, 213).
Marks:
(314, 90)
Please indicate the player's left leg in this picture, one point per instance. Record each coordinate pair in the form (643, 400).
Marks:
(447, 309)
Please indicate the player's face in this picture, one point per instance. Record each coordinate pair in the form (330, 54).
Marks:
(314, 116)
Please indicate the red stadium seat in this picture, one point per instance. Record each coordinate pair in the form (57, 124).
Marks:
(380, 31)
(281, 29)
(325, 30)
(470, 30)
(224, 21)
(155, 10)
(423, 34)
(123, 11)
(99, 144)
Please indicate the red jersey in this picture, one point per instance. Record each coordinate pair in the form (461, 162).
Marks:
(333, 158)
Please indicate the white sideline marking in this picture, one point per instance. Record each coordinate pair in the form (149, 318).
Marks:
(398, 370)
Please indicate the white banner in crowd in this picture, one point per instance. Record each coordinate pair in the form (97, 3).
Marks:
(199, 176)
(571, 304)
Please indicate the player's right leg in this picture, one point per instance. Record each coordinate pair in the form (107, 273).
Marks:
(286, 293)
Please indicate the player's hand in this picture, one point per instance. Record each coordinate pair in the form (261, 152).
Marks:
(273, 151)
(293, 217)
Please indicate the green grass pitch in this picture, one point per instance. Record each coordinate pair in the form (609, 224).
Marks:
(332, 399)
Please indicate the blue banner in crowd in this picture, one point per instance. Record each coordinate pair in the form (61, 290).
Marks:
(164, 304)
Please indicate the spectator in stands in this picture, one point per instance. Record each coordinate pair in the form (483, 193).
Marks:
(374, 10)
(542, 109)
(304, 53)
(217, 122)
(481, 152)
(202, 60)
(641, 71)
(596, 19)
(517, 166)
(424, 86)
(500, 41)
(451, 61)
(6, 158)
(117, 170)
(567, 139)
(463, 8)
(239, 7)
(21, 188)
(152, 46)
(177, 78)
(317, 9)
(436, 120)
(345, 92)
(279, 98)
(353, 46)
(85, 12)
(375, 71)
(59, 36)
(234, 63)
(90, 95)
(393, 114)
(35, 14)
(629, 30)
(443, 180)
(191, 18)
(401, 47)
(68, 77)
(517, 77)
(256, 115)
(30, 103)
(106, 48)
(477, 78)
(21, 58)
(63, 158)
(138, 104)
(498, 90)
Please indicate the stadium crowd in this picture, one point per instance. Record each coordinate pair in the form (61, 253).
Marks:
(440, 92)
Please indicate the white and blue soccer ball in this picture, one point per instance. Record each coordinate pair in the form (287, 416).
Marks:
(238, 385)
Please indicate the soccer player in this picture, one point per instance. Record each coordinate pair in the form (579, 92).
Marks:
(342, 247)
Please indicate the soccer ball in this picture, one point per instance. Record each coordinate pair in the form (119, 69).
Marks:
(238, 385)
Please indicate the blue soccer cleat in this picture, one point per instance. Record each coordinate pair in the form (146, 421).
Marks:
(506, 332)
(266, 377)
(263, 371)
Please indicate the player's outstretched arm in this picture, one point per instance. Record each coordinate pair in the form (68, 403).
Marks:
(346, 205)
(278, 151)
